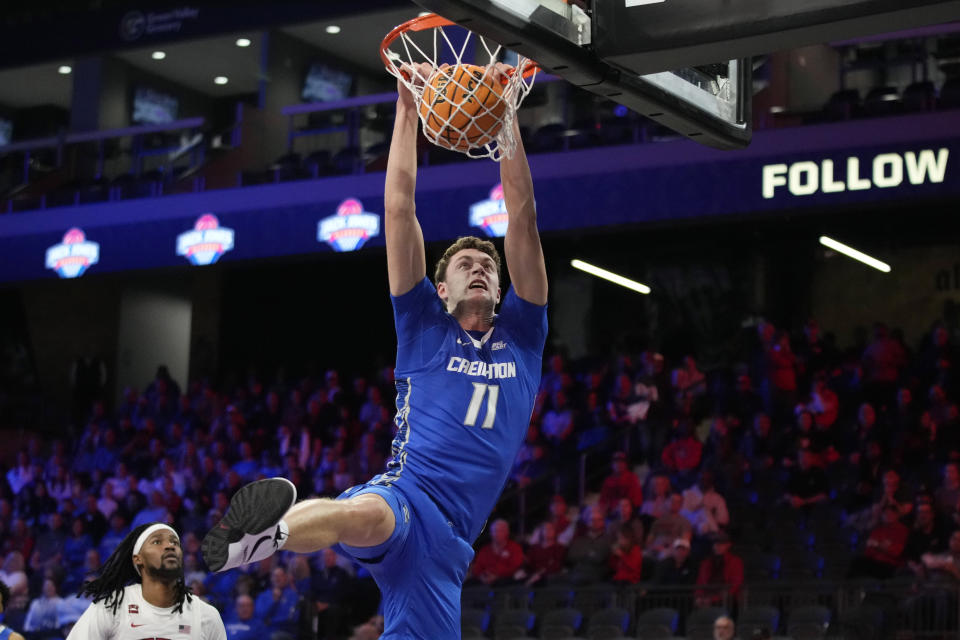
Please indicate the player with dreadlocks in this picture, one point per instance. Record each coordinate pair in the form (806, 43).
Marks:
(6, 633)
(140, 593)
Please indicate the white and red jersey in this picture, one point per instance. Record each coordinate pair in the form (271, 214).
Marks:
(137, 619)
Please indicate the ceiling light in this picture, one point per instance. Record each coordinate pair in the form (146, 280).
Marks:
(220, 80)
(609, 275)
(158, 55)
(64, 69)
(850, 252)
(243, 42)
(333, 29)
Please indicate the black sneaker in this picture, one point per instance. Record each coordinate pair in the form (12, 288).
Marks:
(251, 529)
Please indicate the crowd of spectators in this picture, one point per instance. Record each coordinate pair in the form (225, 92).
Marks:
(858, 449)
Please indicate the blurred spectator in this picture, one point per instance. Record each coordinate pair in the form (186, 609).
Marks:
(20, 540)
(21, 475)
(242, 624)
(677, 569)
(114, 536)
(278, 606)
(891, 494)
(247, 466)
(704, 507)
(745, 402)
(621, 484)
(927, 535)
(947, 495)
(498, 562)
(4, 607)
(939, 360)
(813, 354)
(545, 559)
(658, 503)
(823, 403)
(864, 431)
(369, 630)
(625, 515)
(330, 587)
(720, 568)
(883, 552)
(370, 411)
(759, 448)
(564, 527)
(624, 408)
(688, 381)
(723, 628)
(13, 575)
(157, 511)
(667, 528)
(76, 545)
(808, 483)
(783, 375)
(94, 523)
(59, 486)
(589, 552)
(626, 557)
(557, 424)
(945, 565)
(682, 456)
(42, 621)
(367, 461)
(882, 361)
(532, 469)
(50, 543)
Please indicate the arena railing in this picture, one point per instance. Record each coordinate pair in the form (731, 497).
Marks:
(107, 146)
(853, 610)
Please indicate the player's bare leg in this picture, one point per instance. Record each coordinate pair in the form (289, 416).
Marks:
(264, 518)
(362, 521)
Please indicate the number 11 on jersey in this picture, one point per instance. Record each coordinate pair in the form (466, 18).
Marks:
(492, 392)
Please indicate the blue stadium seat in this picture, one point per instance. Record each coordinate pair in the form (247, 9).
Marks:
(808, 622)
(608, 624)
(547, 598)
(658, 623)
(758, 617)
(474, 622)
(919, 96)
(560, 623)
(700, 622)
(513, 623)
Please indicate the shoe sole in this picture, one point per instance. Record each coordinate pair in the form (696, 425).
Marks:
(254, 508)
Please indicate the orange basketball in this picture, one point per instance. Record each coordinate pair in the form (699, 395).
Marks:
(461, 108)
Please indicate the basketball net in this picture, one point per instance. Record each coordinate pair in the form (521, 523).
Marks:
(404, 53)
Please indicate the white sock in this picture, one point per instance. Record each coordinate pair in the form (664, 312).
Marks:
(284, 534)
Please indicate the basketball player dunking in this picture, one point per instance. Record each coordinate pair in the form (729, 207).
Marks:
(466, 381)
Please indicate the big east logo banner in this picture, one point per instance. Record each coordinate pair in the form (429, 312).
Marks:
(349, 228)
(206, 242)
(72, 257)
(490, 215)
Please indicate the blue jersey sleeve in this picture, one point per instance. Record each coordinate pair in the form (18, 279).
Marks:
(421, 323)
(525, 320)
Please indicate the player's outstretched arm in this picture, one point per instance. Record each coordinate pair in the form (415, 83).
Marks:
(521, 246)
(406, 263)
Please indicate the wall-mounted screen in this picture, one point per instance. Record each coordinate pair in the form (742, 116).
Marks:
(153, 107)
(6, 132)
(325, 84)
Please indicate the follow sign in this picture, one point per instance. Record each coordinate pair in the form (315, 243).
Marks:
(888, 170)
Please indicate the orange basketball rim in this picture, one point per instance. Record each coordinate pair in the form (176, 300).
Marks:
(412, 52)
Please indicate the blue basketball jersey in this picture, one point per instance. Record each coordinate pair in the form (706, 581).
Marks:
(5, 632)
(463, 402)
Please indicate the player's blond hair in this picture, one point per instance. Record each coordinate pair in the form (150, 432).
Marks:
(466, 242)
